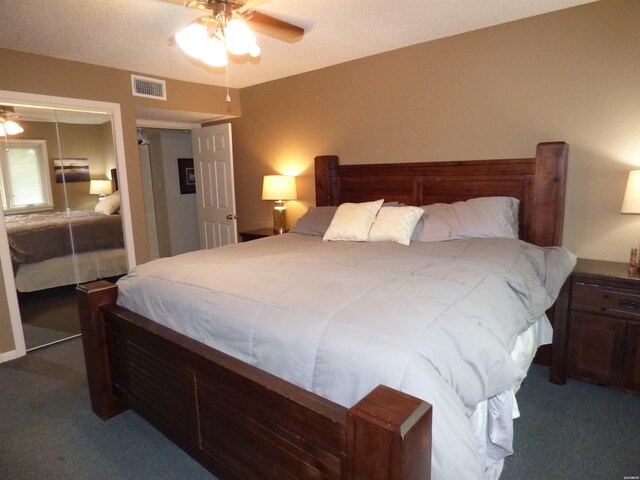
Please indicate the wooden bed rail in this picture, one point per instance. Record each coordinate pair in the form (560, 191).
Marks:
(236, 420)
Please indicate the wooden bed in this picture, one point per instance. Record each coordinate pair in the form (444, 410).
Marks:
(241, 422)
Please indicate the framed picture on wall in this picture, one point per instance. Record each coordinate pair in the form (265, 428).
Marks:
(73, 169)
(187, 175)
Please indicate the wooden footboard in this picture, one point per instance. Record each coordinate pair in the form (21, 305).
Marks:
(236, 420)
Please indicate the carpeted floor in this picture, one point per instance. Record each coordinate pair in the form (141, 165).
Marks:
(49, 315)
(47, 430)
(574, 431)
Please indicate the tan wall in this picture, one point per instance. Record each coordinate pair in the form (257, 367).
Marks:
(110, 160)
(90, 142)
(572, 75)
(37, 74)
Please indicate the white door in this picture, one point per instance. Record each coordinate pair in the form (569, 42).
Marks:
(215, 196)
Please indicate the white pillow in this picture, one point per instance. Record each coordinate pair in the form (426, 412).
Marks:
(109, 205)
(395, 224)
(476, 218)
(352, 221)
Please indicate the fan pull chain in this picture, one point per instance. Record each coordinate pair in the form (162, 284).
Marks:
(226, 73)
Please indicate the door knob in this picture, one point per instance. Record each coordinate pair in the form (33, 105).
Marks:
(232, 216)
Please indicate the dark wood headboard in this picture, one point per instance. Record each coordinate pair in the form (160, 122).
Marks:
(539, 183)
(114, 180)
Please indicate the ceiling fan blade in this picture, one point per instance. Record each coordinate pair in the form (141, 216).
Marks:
(188, 3)
(182, 3)
(194, 4)
(287, 32)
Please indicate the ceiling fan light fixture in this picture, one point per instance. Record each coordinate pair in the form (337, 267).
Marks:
(12, 128)
(238, 37)
(8, 126)
(210, 38)
(254, 51)
(214, 53)
(192, 39)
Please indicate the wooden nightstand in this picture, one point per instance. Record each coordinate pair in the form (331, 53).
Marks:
(255, 234)
(597, 336)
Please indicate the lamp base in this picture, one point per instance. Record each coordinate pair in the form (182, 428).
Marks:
(279, 218)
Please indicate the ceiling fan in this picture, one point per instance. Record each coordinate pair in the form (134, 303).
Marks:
(226, 30)
(8, 125)
(245, 10)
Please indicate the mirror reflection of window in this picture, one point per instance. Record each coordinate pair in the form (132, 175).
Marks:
(26, 184)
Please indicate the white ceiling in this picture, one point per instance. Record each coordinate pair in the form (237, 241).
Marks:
(137, 35)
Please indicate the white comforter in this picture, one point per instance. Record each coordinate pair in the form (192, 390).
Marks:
(436, 320)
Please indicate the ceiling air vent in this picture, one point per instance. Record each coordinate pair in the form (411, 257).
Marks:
(148, 87)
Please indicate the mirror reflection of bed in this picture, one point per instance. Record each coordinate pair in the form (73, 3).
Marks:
(64, 232)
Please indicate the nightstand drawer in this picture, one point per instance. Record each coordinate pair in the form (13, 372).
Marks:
(596, 330)
(615, 301)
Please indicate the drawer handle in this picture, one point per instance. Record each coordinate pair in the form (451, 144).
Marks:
(629, 304)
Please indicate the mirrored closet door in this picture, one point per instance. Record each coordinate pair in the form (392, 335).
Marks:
(61, 209)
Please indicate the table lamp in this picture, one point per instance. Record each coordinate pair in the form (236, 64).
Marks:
(631, 201)
(102, 188)
(631, 205)
(279, 188)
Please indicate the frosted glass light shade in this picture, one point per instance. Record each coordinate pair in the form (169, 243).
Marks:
(240, 39)
(631, 201)
(192, 39)
(100, 187)
(254, 51)
(214, 53)
(209, 42)
(279, 187)
(9, 127)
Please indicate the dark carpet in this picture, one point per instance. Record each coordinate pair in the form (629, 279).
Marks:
(47, 430)
(574, 431)
(49, 315)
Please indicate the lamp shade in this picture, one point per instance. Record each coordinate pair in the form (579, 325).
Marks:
(279, 187)
(631, 202)
(9, 127)
(100, 187)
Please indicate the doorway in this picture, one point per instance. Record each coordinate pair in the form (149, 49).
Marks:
(172, 219)
(189, 196)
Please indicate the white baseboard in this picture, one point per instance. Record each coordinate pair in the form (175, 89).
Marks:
(10, 355)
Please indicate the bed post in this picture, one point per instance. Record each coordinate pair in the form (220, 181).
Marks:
(551, 179)
(114, 180)
(389, 437)
(90, 297)
(326, 180)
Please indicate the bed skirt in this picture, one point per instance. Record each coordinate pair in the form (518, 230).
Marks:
(60, 271)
